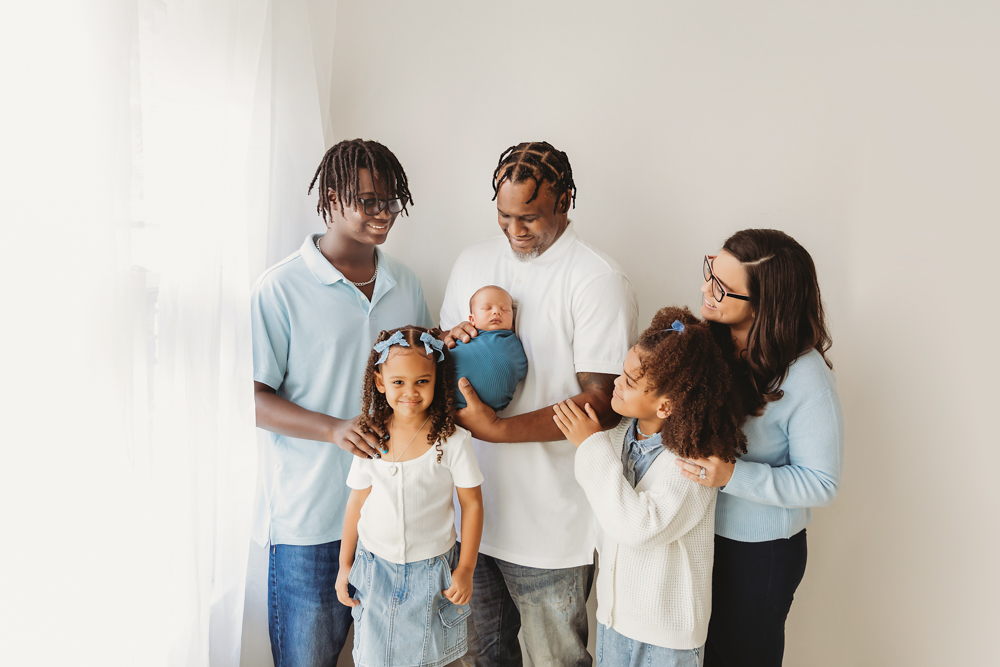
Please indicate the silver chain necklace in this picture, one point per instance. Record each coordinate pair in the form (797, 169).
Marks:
(392, 468)
(367, 282)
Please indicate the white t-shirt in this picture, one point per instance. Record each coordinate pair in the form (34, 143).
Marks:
(575, 313)
(409, 515)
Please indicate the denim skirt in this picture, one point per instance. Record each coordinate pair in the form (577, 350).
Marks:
(404, 620)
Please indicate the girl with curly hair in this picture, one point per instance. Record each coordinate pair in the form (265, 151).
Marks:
(654, 596)
(762, 300)
(412, 583)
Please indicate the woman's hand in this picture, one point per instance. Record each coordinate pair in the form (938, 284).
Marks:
(573, 423)
(341, 586)
(717, 471)
(460, 591)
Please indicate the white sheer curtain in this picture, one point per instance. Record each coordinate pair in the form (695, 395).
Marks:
(137, 191)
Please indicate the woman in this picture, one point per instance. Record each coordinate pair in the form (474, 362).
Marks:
(762, 299)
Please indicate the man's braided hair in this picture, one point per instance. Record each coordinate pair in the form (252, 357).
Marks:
(338, 171)
(540, 162)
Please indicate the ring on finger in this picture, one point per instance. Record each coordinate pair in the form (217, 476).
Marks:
(701, 474)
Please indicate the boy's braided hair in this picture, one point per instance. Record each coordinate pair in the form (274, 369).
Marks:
(338, 171)
(541, 162)
(375, 410)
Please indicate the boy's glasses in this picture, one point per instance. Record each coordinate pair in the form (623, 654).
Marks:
(374, 206)
(718, 291)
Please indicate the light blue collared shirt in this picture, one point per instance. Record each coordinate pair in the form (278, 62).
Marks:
(312, 333)
(638, 455)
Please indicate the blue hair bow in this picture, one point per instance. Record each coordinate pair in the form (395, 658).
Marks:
(383, 346)
(429, 342)
(677, 326)
(431, 345)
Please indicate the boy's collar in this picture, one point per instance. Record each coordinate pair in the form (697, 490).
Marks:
(325, 272)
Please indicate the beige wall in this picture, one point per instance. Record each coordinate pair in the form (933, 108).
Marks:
(865, 130)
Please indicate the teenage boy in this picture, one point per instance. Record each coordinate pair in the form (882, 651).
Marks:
(315, 317)
(576, 316)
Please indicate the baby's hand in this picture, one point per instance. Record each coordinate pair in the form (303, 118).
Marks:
(573, 423)
(341, 587)
(461, 586)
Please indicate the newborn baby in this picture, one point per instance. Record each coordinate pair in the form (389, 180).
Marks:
(493, 361)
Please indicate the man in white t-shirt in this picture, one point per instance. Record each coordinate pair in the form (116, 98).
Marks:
(576, 317)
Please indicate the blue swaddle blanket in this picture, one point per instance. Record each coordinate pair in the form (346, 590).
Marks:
(494, 363)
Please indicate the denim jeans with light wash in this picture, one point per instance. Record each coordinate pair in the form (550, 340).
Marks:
(616, 650)
(307, 623)
(549, 606)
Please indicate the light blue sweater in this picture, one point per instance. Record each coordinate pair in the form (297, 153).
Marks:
(794, 462)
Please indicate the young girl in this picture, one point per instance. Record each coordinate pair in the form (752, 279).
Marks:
(654, 594)
(399, 550)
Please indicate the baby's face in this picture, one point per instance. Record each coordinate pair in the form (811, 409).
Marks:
(492, 309)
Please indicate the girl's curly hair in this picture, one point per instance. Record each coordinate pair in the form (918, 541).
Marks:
(375, 411)
(707, 414)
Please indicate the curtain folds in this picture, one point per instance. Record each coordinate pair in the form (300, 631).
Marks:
(140, 174)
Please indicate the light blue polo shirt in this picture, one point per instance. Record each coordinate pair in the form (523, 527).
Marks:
(312, 332)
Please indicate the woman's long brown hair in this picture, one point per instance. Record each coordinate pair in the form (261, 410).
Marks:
(788, 312)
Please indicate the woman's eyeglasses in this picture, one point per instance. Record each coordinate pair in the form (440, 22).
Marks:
(718, 291)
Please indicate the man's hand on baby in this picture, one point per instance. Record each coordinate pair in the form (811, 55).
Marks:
(461, 586)
(347, 435)
(464, 331)
(574, 423)
(477, 417)
(341, 587)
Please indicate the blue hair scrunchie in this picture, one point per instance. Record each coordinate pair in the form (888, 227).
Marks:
(677, 326)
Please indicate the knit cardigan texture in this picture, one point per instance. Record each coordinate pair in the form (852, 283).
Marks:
(656, 545)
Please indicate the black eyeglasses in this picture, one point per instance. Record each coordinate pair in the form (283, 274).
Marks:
(718, 291)
(374, 206)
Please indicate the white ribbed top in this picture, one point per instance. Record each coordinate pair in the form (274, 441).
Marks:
(409, 515)
(656, 544)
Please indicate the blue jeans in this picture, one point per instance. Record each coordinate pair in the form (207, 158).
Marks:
(307, 623)
(616, 650)
(550, 606)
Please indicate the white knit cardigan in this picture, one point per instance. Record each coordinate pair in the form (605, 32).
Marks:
(656, 544)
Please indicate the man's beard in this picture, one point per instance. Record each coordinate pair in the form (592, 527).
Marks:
(526, 256)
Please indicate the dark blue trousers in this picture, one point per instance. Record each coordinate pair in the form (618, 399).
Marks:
(753, 584)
